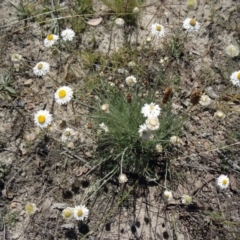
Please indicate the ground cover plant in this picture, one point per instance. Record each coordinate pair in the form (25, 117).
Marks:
(119, 120)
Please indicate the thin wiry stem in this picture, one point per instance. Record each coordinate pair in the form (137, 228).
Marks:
(122, 159)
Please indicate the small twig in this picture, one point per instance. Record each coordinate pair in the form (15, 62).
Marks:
(19, 170)
(41, 200)
(165, 181)
(74, 155)
(104, 181)
(195, 192)
(122, 159)
(56, 230)
(84, 104)
(229, 161)
(4, 231)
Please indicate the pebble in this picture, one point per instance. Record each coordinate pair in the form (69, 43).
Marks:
(123, 71)
(211, 92)
(13, 205)
(28, 83)
(205, 134)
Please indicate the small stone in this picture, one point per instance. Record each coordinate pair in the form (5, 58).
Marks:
(123, 71)
(13, 205)
(211, 92)
(30, 137)
(28, 83)
(70, 145)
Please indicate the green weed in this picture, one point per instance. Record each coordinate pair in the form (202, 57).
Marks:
(124, 9)
(6, 88)
(122, 141)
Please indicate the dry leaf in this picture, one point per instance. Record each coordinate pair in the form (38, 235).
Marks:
(68, 225)
(37, 161)
(233, 183)
(59, 205)
(46, 205)
(70, 77)
(80, 171)
(95, 21)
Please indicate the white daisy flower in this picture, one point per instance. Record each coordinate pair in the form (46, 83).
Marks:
(235, 78)
(67, 135)
(30, 208)
(104, 127)
(157, 30)
(191, 25)
(131, 81)
(105, 108)
(41, 68)
(144, 132)
(50, 40)
(68, 34)
(43, 118)
(159, 148)
(223, 181)
(122, 178)
(219, 115)
(63, 95)
(174, 140)
(232, 51)
(68, 213)
(167, 195)
(205, 100)
(152, 123)
(150, 110)
(80, 212)
(186, 199)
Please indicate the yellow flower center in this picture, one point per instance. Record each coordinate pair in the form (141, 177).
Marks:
(158, 28)
(62, 93)
(40, 66)
(151, 107)
(224, 182)
(41, 119)
(49, 37)
(79, 213)
(130, 81)
(238, 76)
(167, 195)
(67, 213)
(193, 22)
(29, 208)
(67, 133)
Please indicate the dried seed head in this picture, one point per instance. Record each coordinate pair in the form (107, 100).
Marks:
(191, 4)
(136, 10)
(195, 97)
(167, 95)
(89, 125)
(129, 97)
(122, 178)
